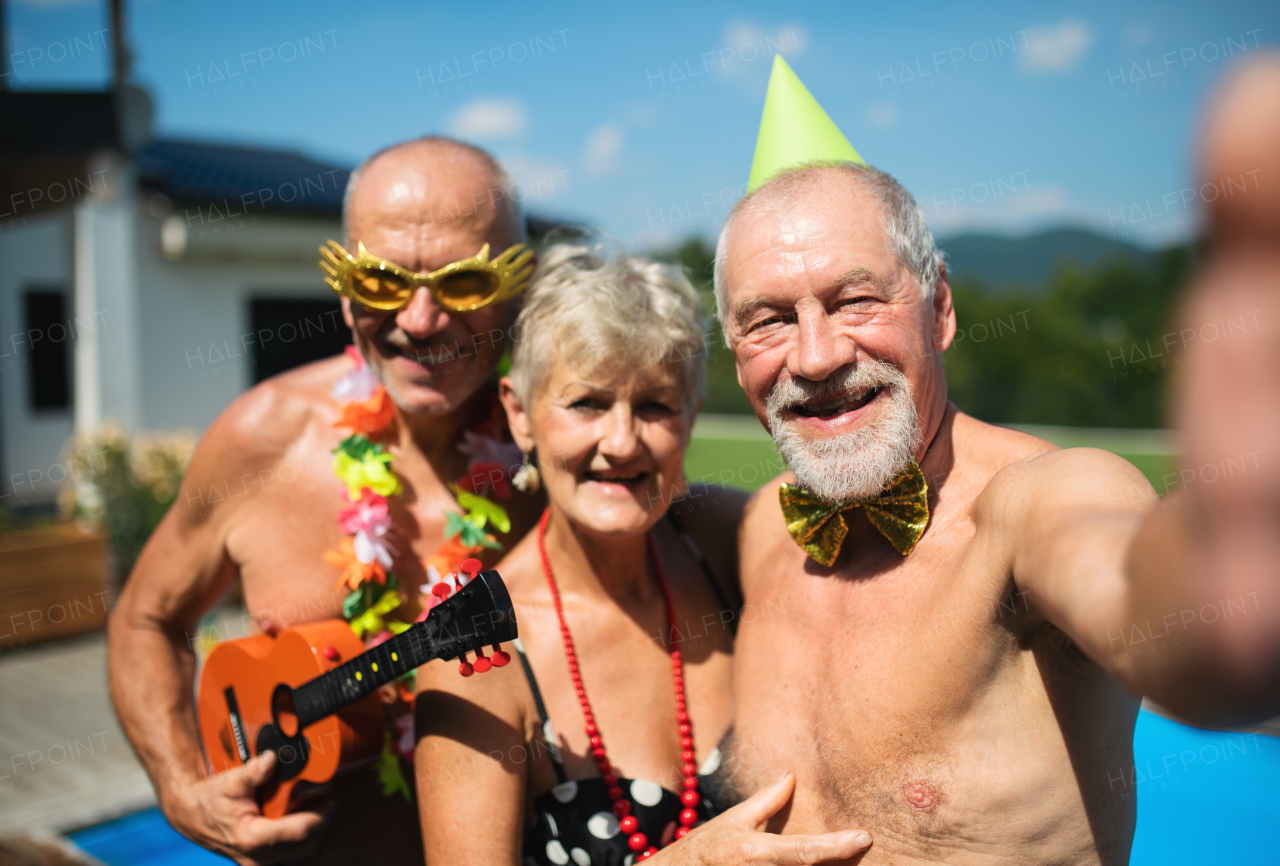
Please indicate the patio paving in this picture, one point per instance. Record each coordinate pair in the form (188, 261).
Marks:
(64, 761)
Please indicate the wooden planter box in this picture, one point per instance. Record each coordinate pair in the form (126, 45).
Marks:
(53, 583)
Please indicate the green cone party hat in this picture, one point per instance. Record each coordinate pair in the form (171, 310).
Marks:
(794, 129)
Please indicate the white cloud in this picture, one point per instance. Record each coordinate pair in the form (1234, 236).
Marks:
(604, 145)
(1029, 209)
(489, 119)
(534, 179)
(747, 46)
(1055, 49)
(882, 114)
(1049, 206)
(1043, 206)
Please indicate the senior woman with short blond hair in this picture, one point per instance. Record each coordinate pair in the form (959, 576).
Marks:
(595, 747)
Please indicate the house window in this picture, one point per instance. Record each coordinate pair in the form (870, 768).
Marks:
(49, 336)
(289, 333)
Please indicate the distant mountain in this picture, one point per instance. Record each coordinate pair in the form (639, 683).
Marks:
(1005, 263)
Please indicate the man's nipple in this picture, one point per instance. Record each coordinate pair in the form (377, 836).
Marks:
(920, 795)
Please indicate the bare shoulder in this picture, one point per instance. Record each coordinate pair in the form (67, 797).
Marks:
(189, 549)
(262, 428)
(711, 515)
(1029, 474)
(453, 706)
(764, 509)
(265, 421)
(493, 703)
(1081, 476)
(990, 447)
(521, 570)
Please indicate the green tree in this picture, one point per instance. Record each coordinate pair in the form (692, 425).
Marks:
(723, 394)
(1092, 352)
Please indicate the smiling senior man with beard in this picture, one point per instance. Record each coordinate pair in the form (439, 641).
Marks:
(933, 661)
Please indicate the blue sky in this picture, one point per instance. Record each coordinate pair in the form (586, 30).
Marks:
(641, 118)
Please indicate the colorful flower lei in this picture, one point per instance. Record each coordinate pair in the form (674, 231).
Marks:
(363, 465)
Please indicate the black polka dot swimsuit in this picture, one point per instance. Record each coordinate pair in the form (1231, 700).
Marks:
(574, 822)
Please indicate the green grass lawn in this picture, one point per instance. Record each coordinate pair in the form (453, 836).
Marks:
(745, 464)
(736, 452)
(1154, 466)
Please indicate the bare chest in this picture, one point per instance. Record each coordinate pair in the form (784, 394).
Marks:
(907, 697)
(625, 668)
(286, 517)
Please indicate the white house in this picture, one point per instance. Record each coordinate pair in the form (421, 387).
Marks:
(149, 289)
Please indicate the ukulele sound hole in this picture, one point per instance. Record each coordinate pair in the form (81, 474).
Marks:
(283, 737)
(283, 711)
(291, 752)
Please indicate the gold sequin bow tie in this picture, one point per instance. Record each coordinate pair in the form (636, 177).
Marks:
(900, 512)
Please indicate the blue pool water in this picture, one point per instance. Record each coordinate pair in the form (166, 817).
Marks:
(144, 839)
(1206, 798)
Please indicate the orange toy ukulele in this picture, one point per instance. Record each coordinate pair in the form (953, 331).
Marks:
(308, 694)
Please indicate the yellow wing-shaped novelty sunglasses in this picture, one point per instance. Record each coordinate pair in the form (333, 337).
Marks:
(462, 286)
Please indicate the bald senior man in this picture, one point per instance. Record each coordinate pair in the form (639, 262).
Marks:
(420, 205)
(946, 654)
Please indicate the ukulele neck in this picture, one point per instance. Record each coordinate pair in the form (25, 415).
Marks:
(352, 680)
(478, 615)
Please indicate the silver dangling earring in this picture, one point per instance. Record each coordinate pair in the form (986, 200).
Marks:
(527, 479)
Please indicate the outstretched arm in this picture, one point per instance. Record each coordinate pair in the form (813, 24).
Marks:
(1218, 538)
(1065, 520)
(1204, 567)
(1101, 557)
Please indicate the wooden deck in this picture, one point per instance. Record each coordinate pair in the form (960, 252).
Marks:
(64, 762)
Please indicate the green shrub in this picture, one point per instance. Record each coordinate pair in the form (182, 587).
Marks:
(123, 484)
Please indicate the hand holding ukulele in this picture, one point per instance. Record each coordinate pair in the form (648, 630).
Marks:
(222, 814)
(298, 707)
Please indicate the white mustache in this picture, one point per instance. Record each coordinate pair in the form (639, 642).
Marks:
(865, 376)
(433, 352)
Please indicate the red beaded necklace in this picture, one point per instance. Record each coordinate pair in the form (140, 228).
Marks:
(690, 798)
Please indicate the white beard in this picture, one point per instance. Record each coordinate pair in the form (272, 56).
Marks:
(856, 465)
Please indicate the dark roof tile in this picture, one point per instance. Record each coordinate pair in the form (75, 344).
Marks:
(275, 181)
